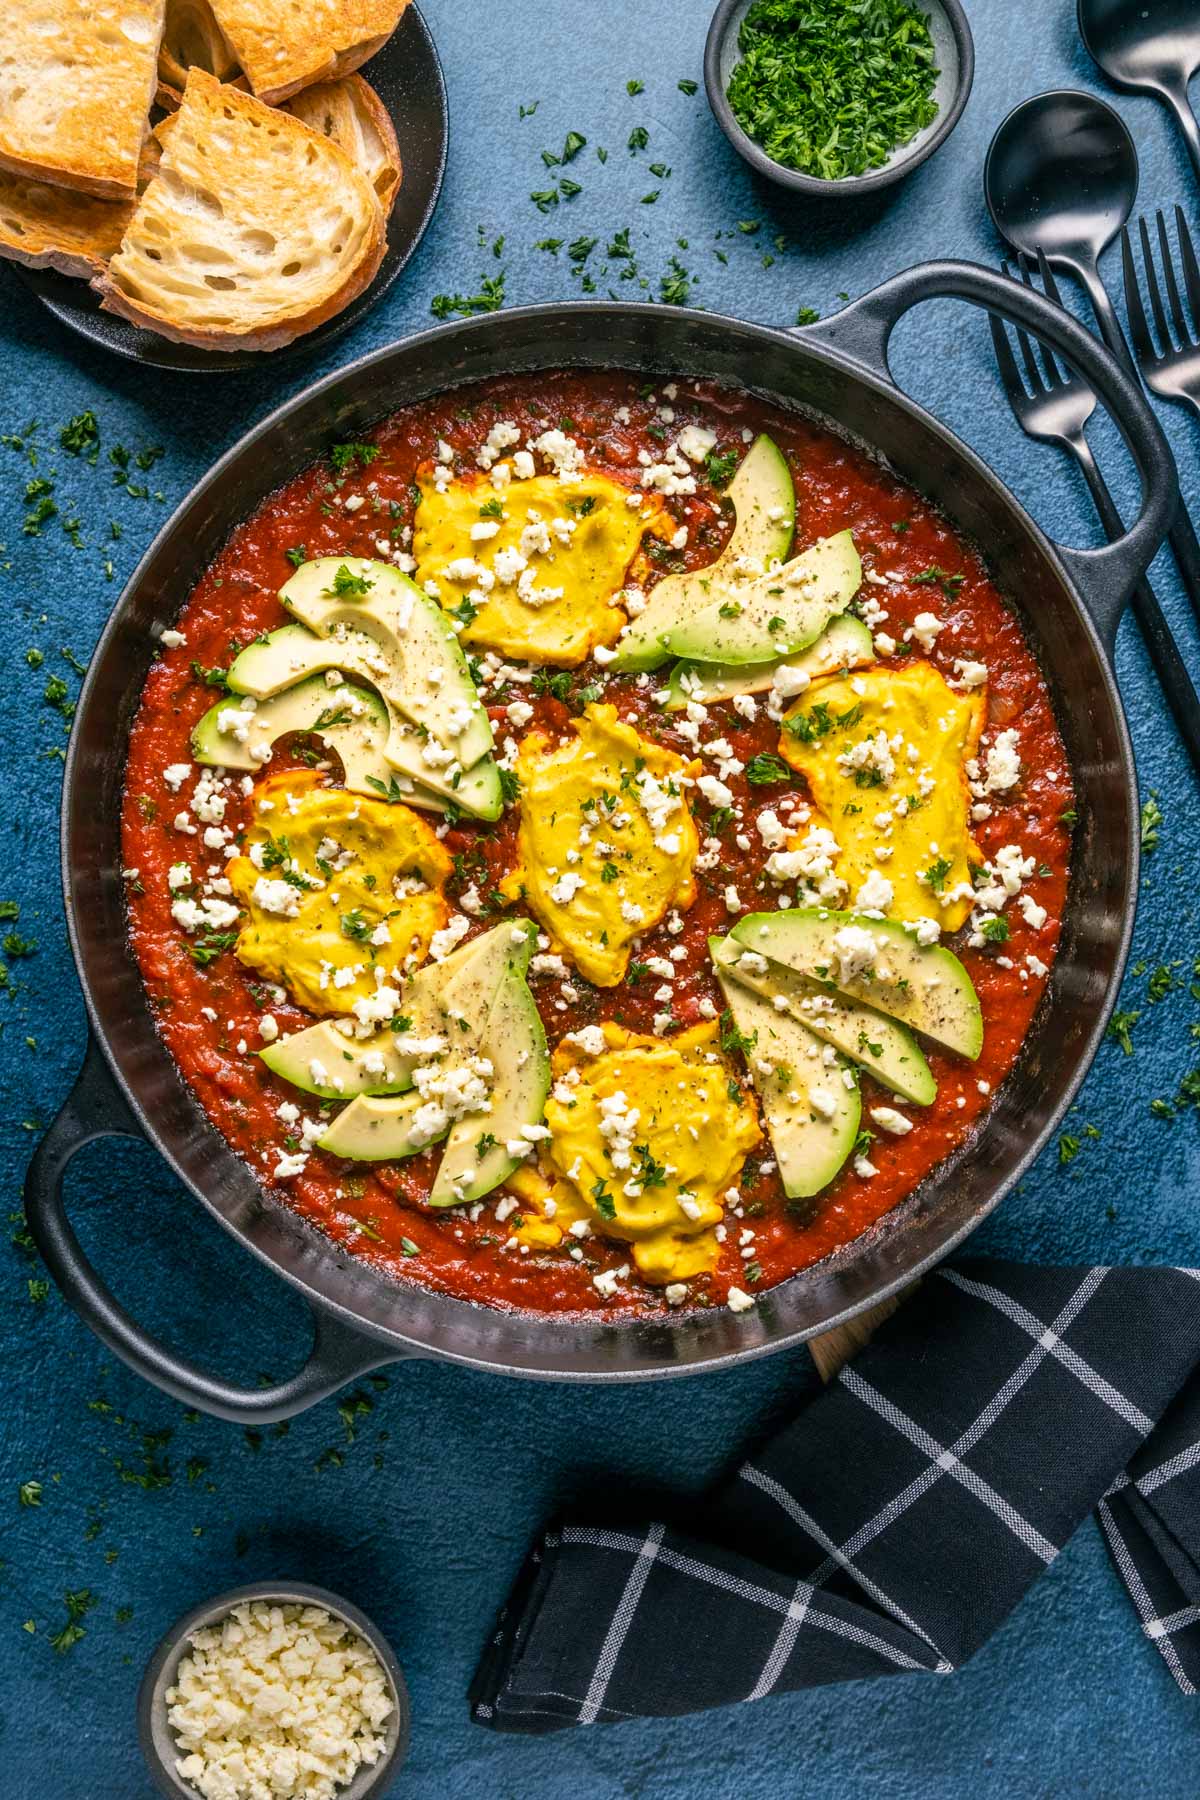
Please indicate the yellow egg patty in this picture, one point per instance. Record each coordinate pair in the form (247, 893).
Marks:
(543, 584)
(605, 844)
(883, 753)
(646, 1140)
(341, 891)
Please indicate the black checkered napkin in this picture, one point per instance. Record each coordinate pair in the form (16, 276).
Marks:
(896, 1523)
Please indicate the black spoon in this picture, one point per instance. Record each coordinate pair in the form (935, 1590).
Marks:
(1151, 46)
(1061, 177)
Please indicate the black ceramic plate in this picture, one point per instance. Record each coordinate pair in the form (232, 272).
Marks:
(407, 76)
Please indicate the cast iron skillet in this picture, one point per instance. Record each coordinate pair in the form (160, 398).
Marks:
(1070, 602)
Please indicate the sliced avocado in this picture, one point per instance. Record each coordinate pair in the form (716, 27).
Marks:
(476, 1158)
(427, 679)
(323, 1060)
(924, 986)
(272, 664)
(882, 1046)
(776, 615)
(764, 505)
(352, 720)
(375, 1130)
(287, 655)
(845, 643)
(454, 1000)
(812, 1115)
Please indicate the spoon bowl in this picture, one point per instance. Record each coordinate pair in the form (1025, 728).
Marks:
(1061, 176)
(1148, 46)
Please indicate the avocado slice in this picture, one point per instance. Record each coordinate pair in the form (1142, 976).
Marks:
(423, 671)
(355, 724)
(845, 643)
(342, 1061)
(812, 1115)
(764, 505)
(776, 615)
(466, 990)
(924, 986)
(374, 1129)
(515, 1045)
(882, 1046)
(273, 663)
(437, 1002)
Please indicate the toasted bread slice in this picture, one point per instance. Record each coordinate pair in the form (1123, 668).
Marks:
(286, 45)
(191, 39)
(47, 227)
(255, 230)
(76, 81)
(352, 114)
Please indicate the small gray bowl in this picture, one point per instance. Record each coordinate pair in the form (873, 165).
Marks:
(157, 1739)
(953, 46)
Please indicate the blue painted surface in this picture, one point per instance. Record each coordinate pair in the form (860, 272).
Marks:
(432, 1507)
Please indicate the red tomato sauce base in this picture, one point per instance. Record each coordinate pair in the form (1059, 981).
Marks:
(376, 1212)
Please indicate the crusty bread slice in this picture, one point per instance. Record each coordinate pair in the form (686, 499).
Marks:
(352, 114)
(286, 45)
(48, 227)
(255, 230)
(76, 81)
(191, 39)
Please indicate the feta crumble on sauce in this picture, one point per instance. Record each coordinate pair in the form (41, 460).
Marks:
(925, 598)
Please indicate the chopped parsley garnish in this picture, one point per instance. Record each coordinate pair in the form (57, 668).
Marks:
(936, 875)
(603, 1201)
(489, 299)
(216, 678)
(81, 436)
(730, 610)
(807, 315)
(355, 927)
(78, 1605)
(609, 872)
(687, 87)
(994, 931)
(492, 509)
(674, 288)
(833, 89)
(650, 1173)
(466, 610)
(510, 786)
(635, 87)
(346, 586)
(210, 945)
(1119, 1028)
(296, 554)
(764, 769)
(1152, 819)
(942, 578)
(408, 1247)
(392, 792)
(720, 466)
(557, 686)
(732, 1038)
(344, 457)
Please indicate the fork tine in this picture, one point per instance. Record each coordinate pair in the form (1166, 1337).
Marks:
(1010, 375)
(1168, 262)
(1139, 325)
(1191, 269)
(1156, 305)
(1023, 338)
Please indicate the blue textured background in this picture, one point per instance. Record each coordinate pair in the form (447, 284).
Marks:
(430, 1508)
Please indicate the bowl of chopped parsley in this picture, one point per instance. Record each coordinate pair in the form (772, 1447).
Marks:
(819, 95)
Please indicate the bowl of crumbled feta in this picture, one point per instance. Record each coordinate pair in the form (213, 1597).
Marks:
(273, 1693)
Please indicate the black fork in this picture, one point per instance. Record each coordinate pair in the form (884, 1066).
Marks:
(1053, 406)
(1168, 356)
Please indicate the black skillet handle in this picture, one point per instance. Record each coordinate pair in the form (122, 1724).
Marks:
(96, 1108)
(1105, 577)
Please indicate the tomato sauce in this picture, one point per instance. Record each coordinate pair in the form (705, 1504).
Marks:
(209, 1016)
